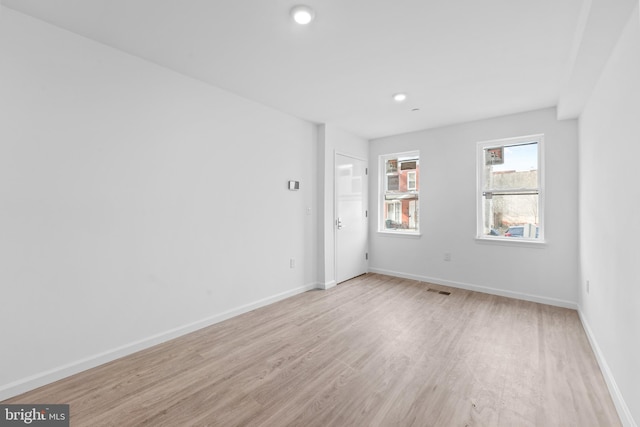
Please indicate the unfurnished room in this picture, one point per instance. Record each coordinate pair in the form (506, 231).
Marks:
(319, 213)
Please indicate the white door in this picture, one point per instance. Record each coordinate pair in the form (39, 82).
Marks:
(351, 218)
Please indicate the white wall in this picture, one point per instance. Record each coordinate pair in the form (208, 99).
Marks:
(331, 140)
(136, 204)
(448, 213)
(609, 220)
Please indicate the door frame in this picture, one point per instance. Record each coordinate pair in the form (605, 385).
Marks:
(365, 193)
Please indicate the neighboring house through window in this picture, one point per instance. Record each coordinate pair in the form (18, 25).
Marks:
(399, 183)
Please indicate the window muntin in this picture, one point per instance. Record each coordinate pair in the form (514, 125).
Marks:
(399, 176)
(510, 193)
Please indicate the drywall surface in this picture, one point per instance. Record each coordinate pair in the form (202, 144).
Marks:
(546, 273)
(136, 203)
(609, 212)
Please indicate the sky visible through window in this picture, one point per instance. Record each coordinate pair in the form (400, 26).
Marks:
(519, 158)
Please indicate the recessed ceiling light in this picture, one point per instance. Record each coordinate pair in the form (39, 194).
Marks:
(400, 97)
(302, 14)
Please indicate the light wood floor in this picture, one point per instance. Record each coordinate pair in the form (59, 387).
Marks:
(374, 351)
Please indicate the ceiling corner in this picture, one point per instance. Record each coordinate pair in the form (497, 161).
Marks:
(599, 28)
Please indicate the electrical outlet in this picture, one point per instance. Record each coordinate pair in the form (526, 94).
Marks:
(292, 263)
(447, 256)
(588, 285)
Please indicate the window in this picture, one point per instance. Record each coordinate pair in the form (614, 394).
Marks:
(399, 183)
(510, 190)
(411, 180)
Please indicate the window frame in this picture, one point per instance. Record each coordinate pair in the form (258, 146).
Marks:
(415, 181)
(382, 186)
(480, 160)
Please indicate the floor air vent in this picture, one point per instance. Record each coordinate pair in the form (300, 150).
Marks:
(439, 292)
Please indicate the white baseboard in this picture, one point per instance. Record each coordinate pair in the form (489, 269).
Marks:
(621, 406)
(327, 285)
(47, 377)
(623, 410)
(478, 288)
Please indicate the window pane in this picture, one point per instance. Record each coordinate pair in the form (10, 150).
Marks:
(401, 214)
(511, 215)
(511, 167)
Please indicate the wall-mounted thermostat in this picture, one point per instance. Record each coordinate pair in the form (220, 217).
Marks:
(294, 185)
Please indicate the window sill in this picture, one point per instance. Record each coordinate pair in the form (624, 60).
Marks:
(539, 244)
(407, 234)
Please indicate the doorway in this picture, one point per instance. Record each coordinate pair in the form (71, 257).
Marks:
(350, 217)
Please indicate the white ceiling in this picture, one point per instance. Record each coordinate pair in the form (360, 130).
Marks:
(458, 60)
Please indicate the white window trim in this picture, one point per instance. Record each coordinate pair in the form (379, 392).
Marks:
(382, 175)
(539, 138)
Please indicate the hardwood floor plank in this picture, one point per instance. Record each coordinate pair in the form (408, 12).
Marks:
(374, 351)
